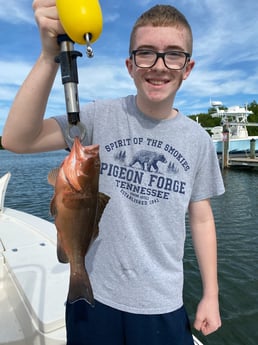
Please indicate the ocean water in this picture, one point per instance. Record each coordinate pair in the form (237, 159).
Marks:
(236, 215)
(28, 188)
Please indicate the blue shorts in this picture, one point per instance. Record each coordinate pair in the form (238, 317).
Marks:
(104, 325)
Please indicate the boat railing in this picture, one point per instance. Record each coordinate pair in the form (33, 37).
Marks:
(249, 124)
(4, 180)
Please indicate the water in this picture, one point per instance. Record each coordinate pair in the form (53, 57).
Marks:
(236, 214)
(28, 189)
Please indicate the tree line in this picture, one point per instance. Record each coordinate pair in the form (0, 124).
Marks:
(206, 119)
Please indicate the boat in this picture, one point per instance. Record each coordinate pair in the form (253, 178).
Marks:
(33, 284)
(235, 121)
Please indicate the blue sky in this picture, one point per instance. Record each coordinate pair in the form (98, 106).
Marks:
(225, 51)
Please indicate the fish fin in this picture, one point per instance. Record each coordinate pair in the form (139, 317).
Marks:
(53, 209)
(61, 254)
(102, 202)
(52, 176)
(80, 288)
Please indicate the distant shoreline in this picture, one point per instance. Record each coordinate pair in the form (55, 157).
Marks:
(1, 147)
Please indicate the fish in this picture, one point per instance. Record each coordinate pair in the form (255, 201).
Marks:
(77, 207)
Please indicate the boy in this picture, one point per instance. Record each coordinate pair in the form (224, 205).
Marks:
(156, 165)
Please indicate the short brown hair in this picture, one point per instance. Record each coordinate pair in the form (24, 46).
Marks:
(162, 15)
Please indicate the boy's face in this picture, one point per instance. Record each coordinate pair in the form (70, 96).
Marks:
(158, 83)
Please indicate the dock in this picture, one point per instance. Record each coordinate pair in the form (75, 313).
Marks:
(232, 161)
(243, 162)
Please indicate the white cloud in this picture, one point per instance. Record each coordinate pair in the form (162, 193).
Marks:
(225, 50)
(17, 11)
(227, 31)
(13, 72)
(101, 80)
(112, 17)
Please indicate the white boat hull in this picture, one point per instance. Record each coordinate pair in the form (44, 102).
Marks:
(236, 146)
(33, 285)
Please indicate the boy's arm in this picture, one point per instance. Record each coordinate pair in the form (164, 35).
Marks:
(202, 224)
(25, 130)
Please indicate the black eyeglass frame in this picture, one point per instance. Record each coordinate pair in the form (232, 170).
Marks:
(161, 55)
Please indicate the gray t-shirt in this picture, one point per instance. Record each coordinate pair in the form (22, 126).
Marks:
(151, 170)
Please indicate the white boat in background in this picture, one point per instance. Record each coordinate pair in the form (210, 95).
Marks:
(33, 284)
(235, 119)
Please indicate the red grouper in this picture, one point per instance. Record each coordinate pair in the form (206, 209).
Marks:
(77, 206)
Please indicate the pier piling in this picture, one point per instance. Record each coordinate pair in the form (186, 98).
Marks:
(225, 149)
(252, 148)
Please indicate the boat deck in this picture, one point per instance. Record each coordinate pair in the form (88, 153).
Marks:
(33, 284)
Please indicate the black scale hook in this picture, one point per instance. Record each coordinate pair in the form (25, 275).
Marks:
(69, 73)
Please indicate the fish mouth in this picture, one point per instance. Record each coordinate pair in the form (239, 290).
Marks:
(76, 143)
(85, 151)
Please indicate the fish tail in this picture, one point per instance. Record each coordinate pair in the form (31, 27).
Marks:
(80, 288)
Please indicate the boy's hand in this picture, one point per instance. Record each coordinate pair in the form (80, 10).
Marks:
(49, 26)
(207, 318)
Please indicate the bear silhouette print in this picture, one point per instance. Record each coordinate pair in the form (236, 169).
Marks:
(148, 160)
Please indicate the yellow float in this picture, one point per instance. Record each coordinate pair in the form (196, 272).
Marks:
(80, 18)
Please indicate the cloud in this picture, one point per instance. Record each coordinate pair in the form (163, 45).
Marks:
(225, 51)
(110, 18)
(226, 32)
(109, 79)
(143, 3)
(17, 12)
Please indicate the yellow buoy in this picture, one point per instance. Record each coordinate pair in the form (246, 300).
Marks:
(80, 17)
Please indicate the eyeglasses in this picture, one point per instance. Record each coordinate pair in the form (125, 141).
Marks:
(175, 60)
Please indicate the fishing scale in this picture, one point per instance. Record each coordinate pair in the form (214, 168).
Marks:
(82, 22)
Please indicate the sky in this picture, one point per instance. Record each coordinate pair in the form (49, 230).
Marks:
(225, 53)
